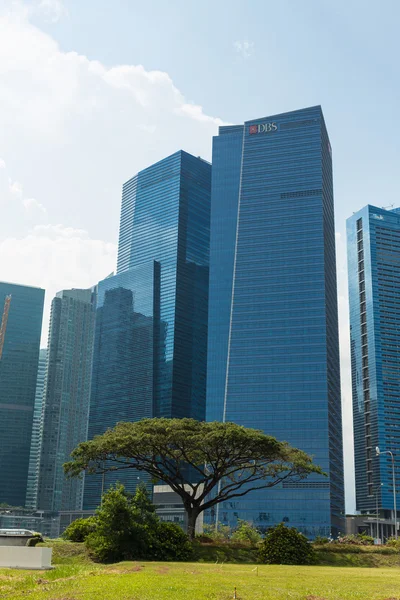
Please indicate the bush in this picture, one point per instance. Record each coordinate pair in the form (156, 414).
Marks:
(34, 540)
(393, 543)
(78, 530)
(246, 533)
(320, 540)
(360, 539)
(222, 533)
(127, 528)
(286, 546)
(171, 543)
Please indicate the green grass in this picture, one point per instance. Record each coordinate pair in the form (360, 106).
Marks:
(82, 580)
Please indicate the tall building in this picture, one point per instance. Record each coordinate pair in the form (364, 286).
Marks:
(21, 312)
(273, 352)
(151, 317)
(374, 294)
(66, 397)
(34, 457)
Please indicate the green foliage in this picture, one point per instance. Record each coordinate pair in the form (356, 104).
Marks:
(393, 543)
(225, 456)
(246, 533)
(286, 546)
(222, 533)
(78, 530)
(359, 539)
(127, 528)
(321, 540)
(34, 540)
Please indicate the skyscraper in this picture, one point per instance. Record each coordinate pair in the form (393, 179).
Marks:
(21, 311)
(34, 457)
(66, 397)
(273, 353)
(374, 294)
(151, 317)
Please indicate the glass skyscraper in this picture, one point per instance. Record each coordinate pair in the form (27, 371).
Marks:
(374, 293)
(66, 397)
(151, 317)
(273, 352)
(21, 311)
(34, 457)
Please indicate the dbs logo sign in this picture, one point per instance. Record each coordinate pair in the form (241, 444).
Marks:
(263, 128)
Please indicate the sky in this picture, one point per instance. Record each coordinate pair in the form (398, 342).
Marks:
(92, 91)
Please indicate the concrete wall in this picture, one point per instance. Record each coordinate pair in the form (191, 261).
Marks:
(25, 558)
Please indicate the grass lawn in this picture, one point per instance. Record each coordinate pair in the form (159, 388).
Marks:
(197, 581)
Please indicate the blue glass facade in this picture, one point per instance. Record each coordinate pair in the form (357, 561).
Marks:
(374, 294)
(151, 317)
(273, 354)
(21, 311)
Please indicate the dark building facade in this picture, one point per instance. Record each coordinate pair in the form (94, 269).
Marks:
(151, 317)
(273, 352)
(374, 293)
(21, 312)
(66, 397)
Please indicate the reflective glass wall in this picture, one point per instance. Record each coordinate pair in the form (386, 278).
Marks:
(151, 317)
(374, 293)
(21, 311)
(273, 359)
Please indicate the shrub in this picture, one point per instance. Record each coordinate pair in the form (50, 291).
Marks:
(78, 530)
(246, 533)
(127, 528)
(360, 539)
(221, 533)
(34, 540)
(321, 540)
(393, 543)
(286, 546)
(171, 543)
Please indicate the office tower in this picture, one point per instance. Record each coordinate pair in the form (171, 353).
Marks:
(151, 317)
(66, 397)
(21, 311)
(273, 353)
(34, 457)
(374, 294)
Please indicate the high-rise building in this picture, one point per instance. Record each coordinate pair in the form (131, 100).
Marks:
(66, 397)
(151, 318)
(34, 457)
(21, 312)
(273, 352)
(374, 294)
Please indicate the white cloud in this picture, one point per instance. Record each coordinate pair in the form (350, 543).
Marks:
(72, 131)
(244, 48)
(55, 257)
(15, 188)
(32, 205)
(53, 10)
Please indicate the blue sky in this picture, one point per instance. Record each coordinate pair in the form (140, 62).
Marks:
(91, 91)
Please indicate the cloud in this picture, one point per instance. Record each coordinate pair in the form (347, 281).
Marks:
(244, 48)
(2, 164)
(31, 204)
(53, 10)
(55, 257)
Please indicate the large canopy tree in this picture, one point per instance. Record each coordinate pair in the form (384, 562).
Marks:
(224, 460)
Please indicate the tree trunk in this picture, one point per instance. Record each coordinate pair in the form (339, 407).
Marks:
(192, 514)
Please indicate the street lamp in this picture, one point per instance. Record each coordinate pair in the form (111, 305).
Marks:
(378, 453)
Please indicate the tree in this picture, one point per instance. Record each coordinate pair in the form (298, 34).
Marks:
(286, 546)
(225, 460)
(78, 530)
